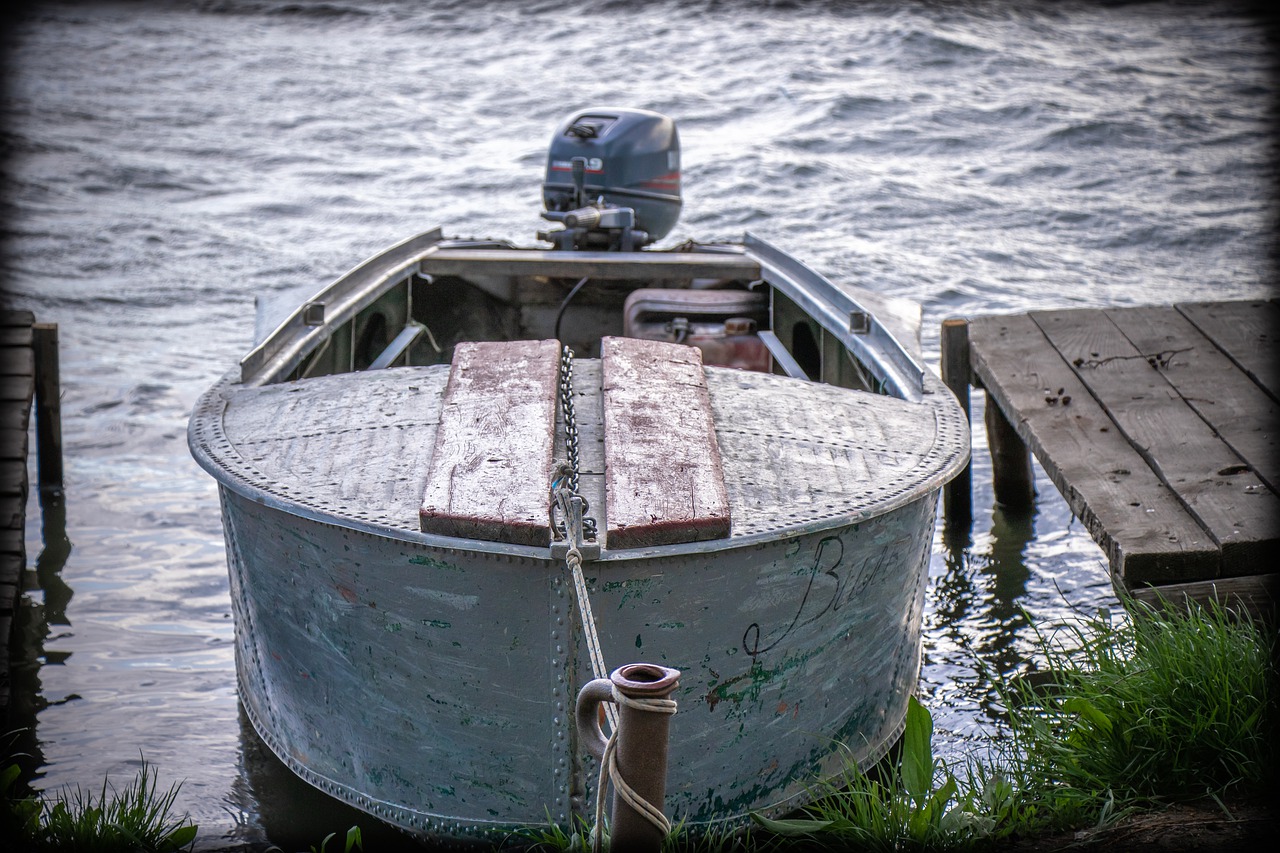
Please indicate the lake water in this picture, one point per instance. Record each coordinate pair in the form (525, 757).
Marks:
(166, 163)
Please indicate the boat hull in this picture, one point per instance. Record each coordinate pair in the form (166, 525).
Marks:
(433, 687)
(430, 680)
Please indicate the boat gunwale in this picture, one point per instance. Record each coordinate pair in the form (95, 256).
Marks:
(285, 347)
(873, 344)
(290, 342)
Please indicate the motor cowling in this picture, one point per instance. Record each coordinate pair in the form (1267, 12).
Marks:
(613, 179)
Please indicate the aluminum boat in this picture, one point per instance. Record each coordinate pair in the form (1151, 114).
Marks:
(757, 456)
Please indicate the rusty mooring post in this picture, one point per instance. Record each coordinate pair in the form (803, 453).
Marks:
(634, 759)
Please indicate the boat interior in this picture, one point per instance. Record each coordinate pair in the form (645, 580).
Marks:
(711, 296)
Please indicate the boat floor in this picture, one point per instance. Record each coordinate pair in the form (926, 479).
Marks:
(797, 456)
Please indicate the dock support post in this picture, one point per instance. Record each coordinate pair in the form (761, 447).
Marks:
(1011, 476)
(48, 408)
(634, 759)
(957, 495)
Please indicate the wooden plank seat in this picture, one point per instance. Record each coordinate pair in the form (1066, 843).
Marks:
(664, 479)
(493, 450)
(488, 476)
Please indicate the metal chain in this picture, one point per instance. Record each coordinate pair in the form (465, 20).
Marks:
(566, 388)
(579, 528)
(570, 419)
(571, 433)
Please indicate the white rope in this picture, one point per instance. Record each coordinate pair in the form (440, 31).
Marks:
(609, 772)
(574, 561)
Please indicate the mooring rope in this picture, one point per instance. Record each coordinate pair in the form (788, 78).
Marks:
(577, 526)
(574, 561)
(609, 772)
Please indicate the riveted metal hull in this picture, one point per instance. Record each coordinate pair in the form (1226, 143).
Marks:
(433, 687)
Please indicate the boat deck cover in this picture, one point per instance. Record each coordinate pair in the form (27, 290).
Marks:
(796, 455)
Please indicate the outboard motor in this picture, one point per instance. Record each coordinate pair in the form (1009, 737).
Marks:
(613, 180)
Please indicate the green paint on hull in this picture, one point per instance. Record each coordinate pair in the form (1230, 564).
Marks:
(437, 564)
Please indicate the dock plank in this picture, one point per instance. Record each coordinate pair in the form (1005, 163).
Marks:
(17, 360)
(664, 478)
(1246, 332)
(1234, 406)
(1256, 595)
(15, 388)
(1236, 508)
(490, 469)
(1138, 522)
(15, 336)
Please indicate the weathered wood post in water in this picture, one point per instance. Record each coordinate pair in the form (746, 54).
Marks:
(48, 394)
(1012, 478)
(957, 496)
(634, 758)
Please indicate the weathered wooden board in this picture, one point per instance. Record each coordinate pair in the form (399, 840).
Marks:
(1139, 523)
(14, 335)
(1236, 508)
(664, 480)
(1244, 415)
(1256, 595)
(17, 360)
(1248, 332)
(13, 477)
(491, 465)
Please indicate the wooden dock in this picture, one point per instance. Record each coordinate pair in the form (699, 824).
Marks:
(1159, 425)
(28, 372)
(17, 387)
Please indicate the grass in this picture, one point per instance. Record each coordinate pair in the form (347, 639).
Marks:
(577, 839)
(352, 841)
(138, 819)
(915, 802)
(1168, 707)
